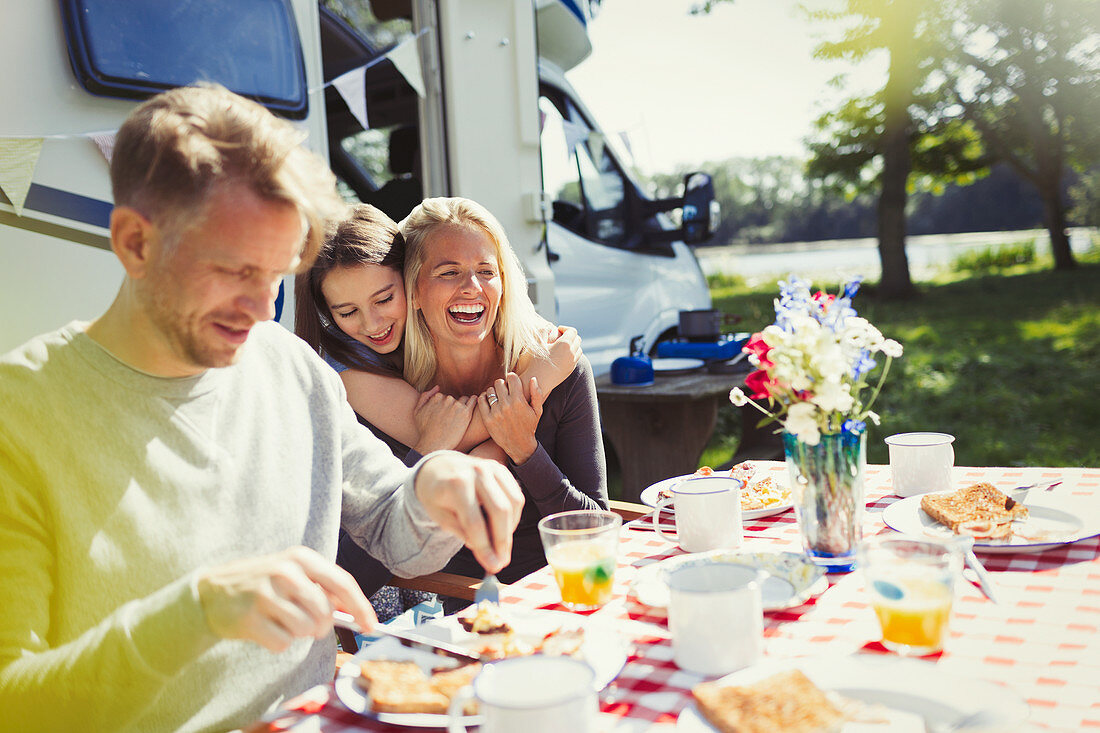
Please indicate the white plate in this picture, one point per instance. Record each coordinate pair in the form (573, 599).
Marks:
(651, 494)
(917, 695)
(1053, 521)
(676, 366)
(792, 578)
(603, 649)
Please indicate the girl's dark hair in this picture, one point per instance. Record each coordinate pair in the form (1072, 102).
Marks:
(366, 236)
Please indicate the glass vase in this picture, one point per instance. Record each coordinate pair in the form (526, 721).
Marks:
(827, 491)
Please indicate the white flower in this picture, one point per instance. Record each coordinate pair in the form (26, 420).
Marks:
(833, 397)
(891, 348)
(802, 424)
(830, 363)
(873, 417)
(801, 382)
(738, 398)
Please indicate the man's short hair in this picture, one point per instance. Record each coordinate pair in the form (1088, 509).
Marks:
(175, 148)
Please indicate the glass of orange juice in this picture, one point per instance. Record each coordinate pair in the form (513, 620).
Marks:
(911, 582)
(581, 547)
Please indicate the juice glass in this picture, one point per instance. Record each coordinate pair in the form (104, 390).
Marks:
(911, 582)
(581, 547)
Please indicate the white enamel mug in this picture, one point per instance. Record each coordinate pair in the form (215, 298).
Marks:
(708, 514)
(535, 694)
(921, 462)
(715, 616)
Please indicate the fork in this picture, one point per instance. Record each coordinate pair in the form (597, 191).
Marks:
(1021, 492)
(1032, 486)
(489, 590)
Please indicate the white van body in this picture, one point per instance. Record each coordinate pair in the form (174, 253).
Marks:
(496, 99)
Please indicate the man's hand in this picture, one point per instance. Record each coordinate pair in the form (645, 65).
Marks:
(274, 599)
(477, 500)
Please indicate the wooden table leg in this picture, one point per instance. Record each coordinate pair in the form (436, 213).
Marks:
(655, 441)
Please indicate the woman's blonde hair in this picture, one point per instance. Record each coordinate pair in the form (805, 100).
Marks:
(518, 329)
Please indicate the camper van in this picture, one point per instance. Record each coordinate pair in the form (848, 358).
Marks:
(405, 99)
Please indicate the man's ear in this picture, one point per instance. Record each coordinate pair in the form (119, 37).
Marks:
(133, 240)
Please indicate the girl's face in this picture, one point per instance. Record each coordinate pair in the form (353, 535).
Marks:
(367, 302)
(459, 286)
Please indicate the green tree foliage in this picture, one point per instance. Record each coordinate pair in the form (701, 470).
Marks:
(1026, 75)
(875, 143)
(1085, 194)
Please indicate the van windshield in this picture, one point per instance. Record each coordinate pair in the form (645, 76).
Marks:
(137, 48)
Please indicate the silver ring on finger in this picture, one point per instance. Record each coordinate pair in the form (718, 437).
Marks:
(491, 398)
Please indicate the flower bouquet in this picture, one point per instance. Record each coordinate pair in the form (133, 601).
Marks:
(813, 367)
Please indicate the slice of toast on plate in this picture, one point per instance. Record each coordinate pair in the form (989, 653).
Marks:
(979, 510)
(448, 682)
(400, 687)
(787, 702)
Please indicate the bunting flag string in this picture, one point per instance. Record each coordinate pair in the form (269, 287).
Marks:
(18, 157)
(105, 141)
(624, 136)
(575, 133)
(595, 146)
(19, 153)
(352, 87)
(407, 60)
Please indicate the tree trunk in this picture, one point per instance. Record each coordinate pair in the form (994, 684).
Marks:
(1054, 216)
(891, 215)
(896, 160)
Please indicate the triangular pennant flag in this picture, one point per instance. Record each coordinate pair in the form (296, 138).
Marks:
(595, 146)
(407, 61)
(575, 133)
(18, 157)
(105, 141)
(352, 88)
(626, 142)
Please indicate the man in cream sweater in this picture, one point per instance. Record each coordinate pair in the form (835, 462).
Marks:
(173, 474)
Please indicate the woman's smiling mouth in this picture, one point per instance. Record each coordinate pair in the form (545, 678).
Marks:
(466, 313)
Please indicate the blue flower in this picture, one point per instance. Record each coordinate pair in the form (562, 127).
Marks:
(852, 287)
(853, 426)
(863, 364)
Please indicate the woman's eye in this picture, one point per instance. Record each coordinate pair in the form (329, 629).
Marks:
(385, 300)
(488, 273)
(346, 314)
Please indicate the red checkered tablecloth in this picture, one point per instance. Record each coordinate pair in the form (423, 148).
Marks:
(1042, 639)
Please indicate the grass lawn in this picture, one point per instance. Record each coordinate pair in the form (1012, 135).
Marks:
(1007, 361)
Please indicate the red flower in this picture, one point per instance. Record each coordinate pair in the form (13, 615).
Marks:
(757, 346)
(824, 298)
(759, 383)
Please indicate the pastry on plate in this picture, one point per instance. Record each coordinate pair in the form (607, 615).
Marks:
(400, 687)
(787, 702)
(979, 510)
(484, 618)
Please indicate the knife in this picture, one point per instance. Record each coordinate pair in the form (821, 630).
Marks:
(984, 581)
(413, 641)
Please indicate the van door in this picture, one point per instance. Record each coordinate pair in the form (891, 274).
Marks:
(613, 280)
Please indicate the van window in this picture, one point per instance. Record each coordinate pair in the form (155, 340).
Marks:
(137, 48)
(380, 165)
(585, 185)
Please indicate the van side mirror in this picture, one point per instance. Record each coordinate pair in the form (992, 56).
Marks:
(700, 211)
